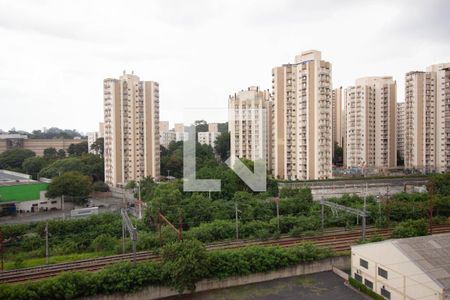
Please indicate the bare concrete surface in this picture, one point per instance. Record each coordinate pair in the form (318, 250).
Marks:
(324, 285)
(109, 204)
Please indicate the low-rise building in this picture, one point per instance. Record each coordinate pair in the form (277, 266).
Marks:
(413, 268)
(38, 146)
(20, 194)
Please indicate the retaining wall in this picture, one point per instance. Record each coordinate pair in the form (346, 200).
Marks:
(156, 292)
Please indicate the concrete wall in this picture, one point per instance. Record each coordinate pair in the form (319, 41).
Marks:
(42, 204)
(375, 187)
(155, 292)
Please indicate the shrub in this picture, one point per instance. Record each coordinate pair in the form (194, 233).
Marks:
(214, 231)
(183, 264)
(410, 228)
(103, 242)
(100, 186)
(358, 285)
(296, 231)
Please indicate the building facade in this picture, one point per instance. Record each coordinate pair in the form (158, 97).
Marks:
(207, 138)
(337, 115)
(131, 111)
(401, 131)
(249, 122)
(415, 268)
(371, 123)
(427, 119)
(302, 118)
(36, 145)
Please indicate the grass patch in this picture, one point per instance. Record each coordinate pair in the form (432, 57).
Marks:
(22, 192)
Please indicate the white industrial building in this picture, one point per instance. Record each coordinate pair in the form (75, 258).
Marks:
(413, 268)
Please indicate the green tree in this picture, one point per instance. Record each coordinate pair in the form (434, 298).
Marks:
(33, 165)
(78, 149)
(14, 158)
(98, 146)
(441, 184)
(61, 153)
(93, 166)
(100, 186)
(61, 166)
(222, 145)
(73, 184)
(410, 228)
(184, 263)
(50, 153)
(201, 126)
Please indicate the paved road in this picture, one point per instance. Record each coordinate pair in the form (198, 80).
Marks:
(319, 286)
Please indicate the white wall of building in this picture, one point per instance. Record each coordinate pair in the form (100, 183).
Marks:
(405, 280)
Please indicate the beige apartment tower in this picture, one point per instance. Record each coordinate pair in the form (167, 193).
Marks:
(401, 130)
(427, 119)
(131, 111)
(249, 121)
(302, 118)
(371, 123)
(337, 116)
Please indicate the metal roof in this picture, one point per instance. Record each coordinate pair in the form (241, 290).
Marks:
(431, 254)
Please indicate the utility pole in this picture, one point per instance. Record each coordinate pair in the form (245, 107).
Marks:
(364, 215)
(123, 237)
(278, 212)
(321, 213)
(237, 220)
(140, 202)
(46, 243)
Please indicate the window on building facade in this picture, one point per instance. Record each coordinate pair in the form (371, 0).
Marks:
(383, 273)
(363, 263)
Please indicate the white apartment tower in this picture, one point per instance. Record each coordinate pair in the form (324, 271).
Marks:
(371, 123)
(427, 119)
(302, 118)
(401, 130)
(131, 111)
(249, 124)
(337, 115)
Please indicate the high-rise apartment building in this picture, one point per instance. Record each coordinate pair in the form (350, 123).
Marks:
(337, 115)
(213, 127)
(131, 111)
(180, 134)
(249, 121)
(427, 119)
(302, 118)
(371, 123)
(163, 126)
(401, 130)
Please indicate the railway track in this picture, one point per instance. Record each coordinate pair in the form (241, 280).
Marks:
(336, 240)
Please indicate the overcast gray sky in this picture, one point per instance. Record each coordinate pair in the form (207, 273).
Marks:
(55, 54)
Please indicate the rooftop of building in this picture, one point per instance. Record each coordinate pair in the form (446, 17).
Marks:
(11, 177)
(431, 254)
(22, 192)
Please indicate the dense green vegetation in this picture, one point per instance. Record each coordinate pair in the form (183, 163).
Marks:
(183, 264)
(50, 133)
